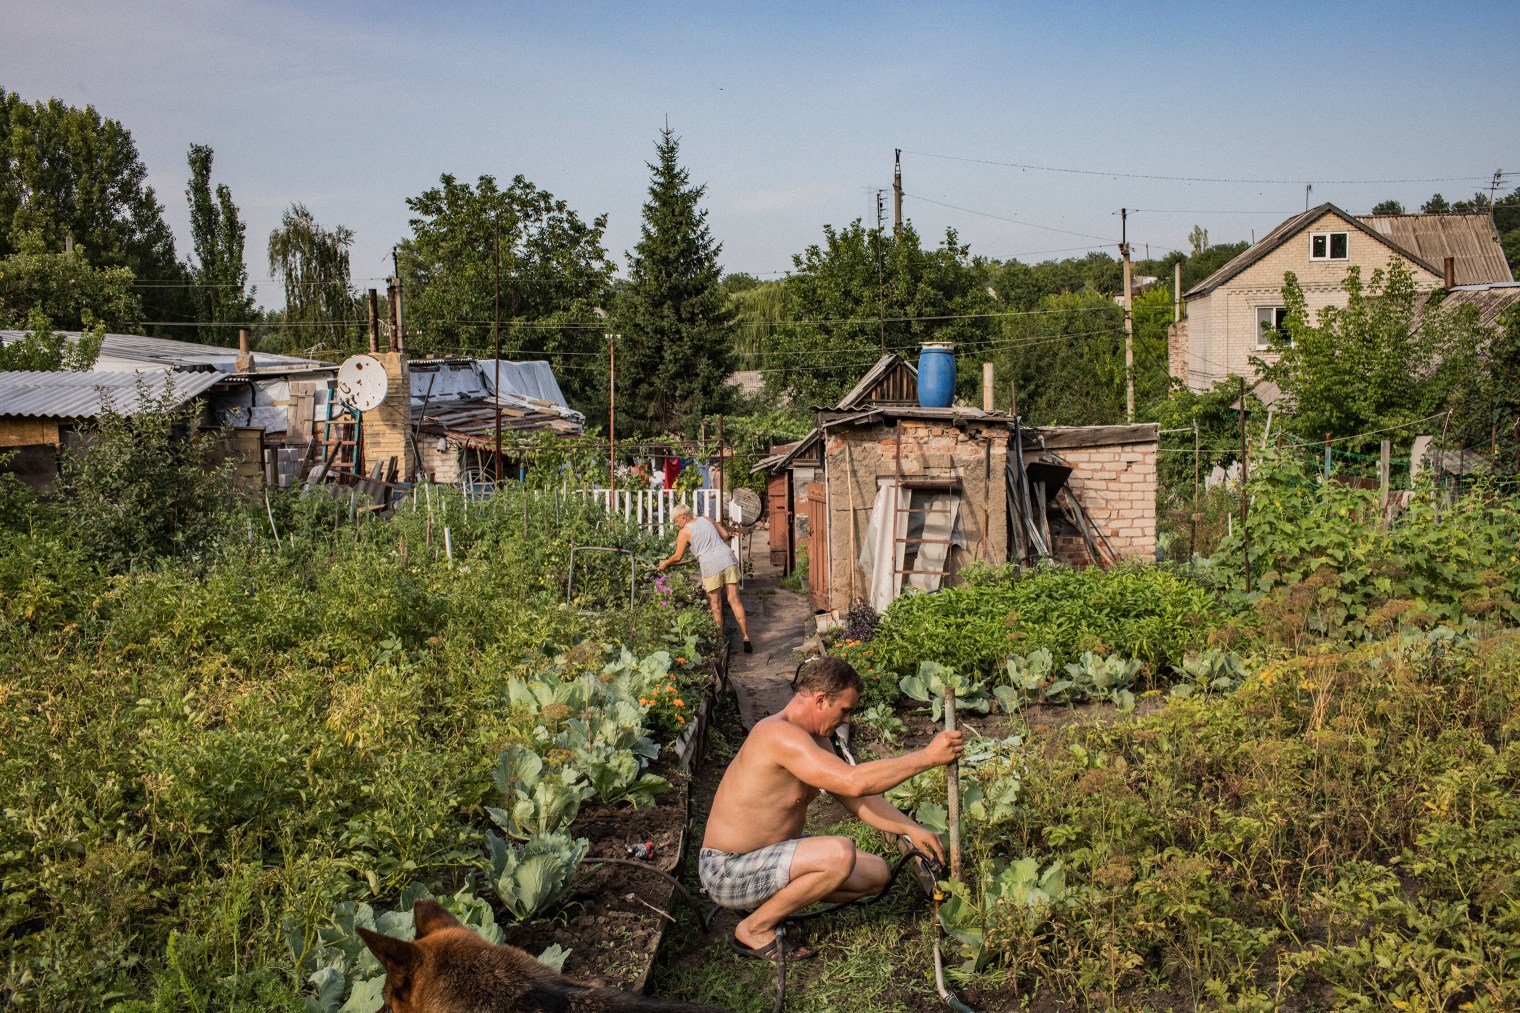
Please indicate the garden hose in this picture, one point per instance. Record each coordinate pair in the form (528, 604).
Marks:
(911, 853)
(704, 917)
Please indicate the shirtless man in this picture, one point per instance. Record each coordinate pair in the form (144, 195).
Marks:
(754, 857)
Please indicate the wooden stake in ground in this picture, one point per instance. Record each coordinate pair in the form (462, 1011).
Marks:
(953, 791)
(1245, 478)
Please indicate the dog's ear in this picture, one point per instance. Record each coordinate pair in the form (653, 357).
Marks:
(398, 956)
(429, 916)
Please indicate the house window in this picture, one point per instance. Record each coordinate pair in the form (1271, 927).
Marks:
(1328, 245)
(1269, 319)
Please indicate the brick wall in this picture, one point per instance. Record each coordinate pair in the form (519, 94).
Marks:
(1223, 331)
(387, 429)
(1117, 485)
(856, 457)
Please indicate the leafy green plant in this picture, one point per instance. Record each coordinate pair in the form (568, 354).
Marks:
(536, 803)
(531, 877)
(929, 686)
(1211, 671)
(1008, 909)
(1023, 679)
(1093, 678)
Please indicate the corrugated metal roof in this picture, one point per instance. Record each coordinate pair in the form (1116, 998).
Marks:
(525, 379)
(1287, 230)
(1471, 240)
(119, 352)
(1489, 300)
(87, 394)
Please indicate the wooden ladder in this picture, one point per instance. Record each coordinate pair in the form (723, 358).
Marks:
(341, 444)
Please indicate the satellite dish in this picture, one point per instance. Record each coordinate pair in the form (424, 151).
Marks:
(362, 383)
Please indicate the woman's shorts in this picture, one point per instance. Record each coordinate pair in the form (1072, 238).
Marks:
(744, 882)
(719, 579)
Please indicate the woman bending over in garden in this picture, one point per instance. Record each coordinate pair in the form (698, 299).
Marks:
(720, 567)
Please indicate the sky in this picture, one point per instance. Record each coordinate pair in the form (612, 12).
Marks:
(1023, 126)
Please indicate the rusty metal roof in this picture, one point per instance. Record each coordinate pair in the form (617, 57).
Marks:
(1471, 240)
(88, 394)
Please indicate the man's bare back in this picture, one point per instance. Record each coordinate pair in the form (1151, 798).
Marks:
(760, 802)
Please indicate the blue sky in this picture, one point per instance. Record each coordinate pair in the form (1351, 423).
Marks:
(789, 112)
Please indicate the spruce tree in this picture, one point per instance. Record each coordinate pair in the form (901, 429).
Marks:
(675, 354)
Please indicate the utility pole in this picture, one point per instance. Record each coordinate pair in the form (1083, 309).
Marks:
(896, 192)
(612, 340)
(1493, 187)
(881, 282)
(1245, 478)
(1129, 320)
(496, 383)
(400, 320)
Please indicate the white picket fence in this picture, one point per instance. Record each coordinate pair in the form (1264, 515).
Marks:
(651, 508)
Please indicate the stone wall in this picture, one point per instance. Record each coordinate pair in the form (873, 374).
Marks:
(856, 457)
(1117, 486)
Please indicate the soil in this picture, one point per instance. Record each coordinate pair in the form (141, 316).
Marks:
(612, 921)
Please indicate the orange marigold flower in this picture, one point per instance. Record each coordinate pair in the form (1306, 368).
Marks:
(680, 719)
(680, 703)
(680, 661)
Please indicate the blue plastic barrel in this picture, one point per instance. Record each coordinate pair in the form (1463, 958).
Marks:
(936, 375)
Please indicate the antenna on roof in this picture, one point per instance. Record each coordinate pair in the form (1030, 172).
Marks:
(1308, 189)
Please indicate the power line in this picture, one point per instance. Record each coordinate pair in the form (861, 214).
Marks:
(1105, 240)
(1195, 179)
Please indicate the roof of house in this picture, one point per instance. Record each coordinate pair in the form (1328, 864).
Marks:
(876, 376)
(1471, 240)
(123, 352)
(1286, 231)
(457, 395)
(88, 394)
(1490, 301)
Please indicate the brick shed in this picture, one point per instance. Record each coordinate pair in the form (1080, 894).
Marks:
(886, 495)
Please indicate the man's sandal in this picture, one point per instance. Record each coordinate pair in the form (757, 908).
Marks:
(794, 951)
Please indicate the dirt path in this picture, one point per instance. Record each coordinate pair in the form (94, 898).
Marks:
(778, 621)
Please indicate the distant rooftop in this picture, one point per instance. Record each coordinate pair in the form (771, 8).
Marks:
(127, 352)
(87, 394)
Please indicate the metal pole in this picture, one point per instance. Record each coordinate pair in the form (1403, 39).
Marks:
(1129, 322)
(400, 319)
(1193, 517)
(722, 516)
(1245, 478)
(496, 383)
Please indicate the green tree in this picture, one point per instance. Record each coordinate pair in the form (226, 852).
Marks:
(555, 275)
(863, 289)
(1388, 207)
(147, 485)
(1066, 357)
(1437, 205)
(1358, 368)
(313, 264)
(69, 173)
(218, 233)
(44, 350)
(65, 289)
(675, 319)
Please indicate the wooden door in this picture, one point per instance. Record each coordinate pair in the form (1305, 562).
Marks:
(819, 589)
(780, 512)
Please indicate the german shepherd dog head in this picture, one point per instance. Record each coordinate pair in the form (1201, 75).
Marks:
(450, 969)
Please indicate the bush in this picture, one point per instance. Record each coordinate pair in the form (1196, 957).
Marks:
(1148, 613)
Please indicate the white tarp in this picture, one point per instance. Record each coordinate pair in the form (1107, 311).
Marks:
(882, 555)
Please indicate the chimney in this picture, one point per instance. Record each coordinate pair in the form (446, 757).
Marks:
(244, 356)
(391, 310)
(1449, 271)
(374, 321)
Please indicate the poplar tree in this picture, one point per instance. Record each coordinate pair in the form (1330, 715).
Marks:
(218, 234)
(677, 326)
